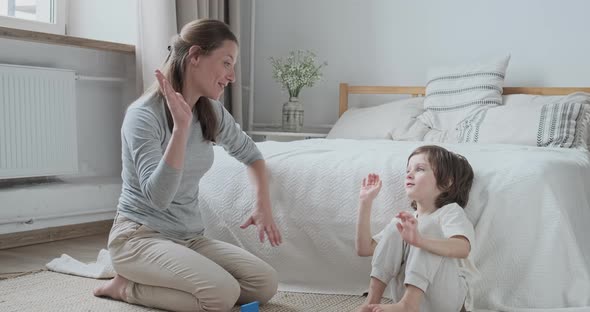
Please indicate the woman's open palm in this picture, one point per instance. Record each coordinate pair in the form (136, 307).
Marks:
(370, 187)
(180, 110)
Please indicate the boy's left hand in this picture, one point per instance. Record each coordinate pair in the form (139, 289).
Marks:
(408, 228)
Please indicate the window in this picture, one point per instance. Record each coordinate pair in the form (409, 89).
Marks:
(37, 15)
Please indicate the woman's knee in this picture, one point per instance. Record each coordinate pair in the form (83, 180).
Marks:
(225, 296)
(265, 284)
(259, 282)
(271, 286)
(230, 294)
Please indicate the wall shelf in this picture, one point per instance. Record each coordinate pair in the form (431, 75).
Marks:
(35, 36)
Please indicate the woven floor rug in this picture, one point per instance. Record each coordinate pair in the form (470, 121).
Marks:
(49, 291)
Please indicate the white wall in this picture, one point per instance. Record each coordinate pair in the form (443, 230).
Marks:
(100, 109)
(394, 42)
(109, 20)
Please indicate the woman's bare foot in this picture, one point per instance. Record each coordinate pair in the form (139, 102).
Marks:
(114, 288)
(397, 307)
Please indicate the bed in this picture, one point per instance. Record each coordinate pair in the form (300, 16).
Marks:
(530, 206)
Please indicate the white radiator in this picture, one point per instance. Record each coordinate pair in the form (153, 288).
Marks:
(37, 122)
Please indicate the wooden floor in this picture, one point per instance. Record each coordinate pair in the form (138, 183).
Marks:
(34, 257)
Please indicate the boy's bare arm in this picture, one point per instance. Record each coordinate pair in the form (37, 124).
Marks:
(370, 187)
(454, 247)
(457, 246)
(365, 244)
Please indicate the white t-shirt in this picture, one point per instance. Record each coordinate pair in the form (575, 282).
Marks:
(453, 222)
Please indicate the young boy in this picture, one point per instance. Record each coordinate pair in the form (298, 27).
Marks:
(424, 253)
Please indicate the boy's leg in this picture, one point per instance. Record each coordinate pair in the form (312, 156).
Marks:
(386, 264)
(438, 277)
(376, 289)
(410, 302)
(445, 293)
(434, 276)
(448, 290)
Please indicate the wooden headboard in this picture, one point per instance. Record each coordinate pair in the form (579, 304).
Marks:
(345, 90)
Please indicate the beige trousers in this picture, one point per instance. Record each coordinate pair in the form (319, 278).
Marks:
(198, 274)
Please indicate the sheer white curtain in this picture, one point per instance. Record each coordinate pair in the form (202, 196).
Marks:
(159, 20)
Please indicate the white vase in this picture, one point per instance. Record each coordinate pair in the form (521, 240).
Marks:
(293, 115)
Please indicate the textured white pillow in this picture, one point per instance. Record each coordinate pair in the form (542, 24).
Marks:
(377, 122)
(554, 121)
(453, 94)
(418, 131)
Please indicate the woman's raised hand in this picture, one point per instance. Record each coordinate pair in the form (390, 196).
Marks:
(181, 112)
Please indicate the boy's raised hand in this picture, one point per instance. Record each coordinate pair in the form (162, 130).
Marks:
(370, 187)
(408, 228)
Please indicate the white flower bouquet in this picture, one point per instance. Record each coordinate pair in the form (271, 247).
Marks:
(298, 70)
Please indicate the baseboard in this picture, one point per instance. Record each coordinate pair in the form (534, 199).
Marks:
(52, 234)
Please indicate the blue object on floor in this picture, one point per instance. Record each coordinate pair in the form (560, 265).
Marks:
(250, 307)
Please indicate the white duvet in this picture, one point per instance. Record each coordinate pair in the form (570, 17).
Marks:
(530, 207)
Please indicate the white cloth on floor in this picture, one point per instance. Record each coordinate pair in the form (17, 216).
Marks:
(102, 268)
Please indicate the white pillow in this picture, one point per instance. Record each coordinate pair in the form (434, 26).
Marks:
(377, 122)
(554, 121)
(418, 131)
(453, 94)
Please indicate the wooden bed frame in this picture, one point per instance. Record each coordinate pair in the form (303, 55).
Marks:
(345, 90)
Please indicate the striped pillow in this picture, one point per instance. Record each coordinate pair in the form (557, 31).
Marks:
(453, 94)
(548, 121)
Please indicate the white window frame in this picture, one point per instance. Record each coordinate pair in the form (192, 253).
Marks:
(59, 27)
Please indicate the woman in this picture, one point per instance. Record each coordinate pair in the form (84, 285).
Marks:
(156, 243)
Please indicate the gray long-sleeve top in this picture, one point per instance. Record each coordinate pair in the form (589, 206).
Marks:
(157, 195)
